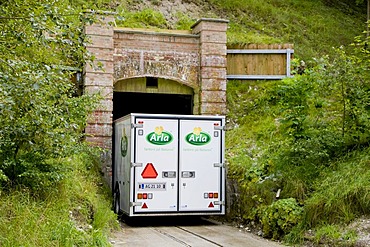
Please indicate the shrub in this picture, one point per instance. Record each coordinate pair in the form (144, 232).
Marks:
(280, 217)
(42, 120)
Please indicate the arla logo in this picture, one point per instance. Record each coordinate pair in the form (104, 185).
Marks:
(198, 137)
(159, 137)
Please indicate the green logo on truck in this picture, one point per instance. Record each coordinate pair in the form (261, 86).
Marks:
(124, 143)
(197, 137)
(159, 137)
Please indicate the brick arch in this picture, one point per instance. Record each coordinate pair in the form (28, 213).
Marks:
(195, 58)
(176, 65)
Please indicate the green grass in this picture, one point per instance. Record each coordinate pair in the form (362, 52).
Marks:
(344, 193)
(313, 27)
(77, 212)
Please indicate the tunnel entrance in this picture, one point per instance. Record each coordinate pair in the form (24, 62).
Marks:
(151, 95)
(128, 102)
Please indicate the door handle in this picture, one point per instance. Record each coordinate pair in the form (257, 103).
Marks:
(188, 174)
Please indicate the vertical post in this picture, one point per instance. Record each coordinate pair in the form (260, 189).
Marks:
(368, 17)
(288, 58)
(98, 78)
(212, 74)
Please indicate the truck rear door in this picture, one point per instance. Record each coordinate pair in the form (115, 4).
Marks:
(200, 165)
(155, 165)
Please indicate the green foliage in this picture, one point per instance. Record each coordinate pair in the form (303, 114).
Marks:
(314, 27)
(42, 119)
(249, 101)
(75, 212)
(343, 194)
(352, 74)
(328, 231)
(323, 235)
(248, 159)
(324, 115)
(293, 98)
(184, 22)
(238, 35)
(280, 217)
(48, 195)
(333, 235)
(94, 5)
(306, 135)
(143, 19)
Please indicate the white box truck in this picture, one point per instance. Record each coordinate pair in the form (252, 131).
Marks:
(169, 165)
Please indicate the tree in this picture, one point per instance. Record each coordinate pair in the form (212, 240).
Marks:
(42, 121)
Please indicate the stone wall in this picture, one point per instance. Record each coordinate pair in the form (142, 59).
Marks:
(143, 53)
(98, 78)
(212, 74)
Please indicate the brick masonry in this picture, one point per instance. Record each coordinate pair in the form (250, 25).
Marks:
(196, 59)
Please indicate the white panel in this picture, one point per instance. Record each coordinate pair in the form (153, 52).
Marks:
(156, 144)
(200, 149)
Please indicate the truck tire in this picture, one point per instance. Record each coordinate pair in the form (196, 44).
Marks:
(116, 203)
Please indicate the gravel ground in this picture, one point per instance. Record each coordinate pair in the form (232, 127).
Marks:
(362, 227)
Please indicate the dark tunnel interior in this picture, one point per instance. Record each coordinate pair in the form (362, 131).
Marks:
(125, 103)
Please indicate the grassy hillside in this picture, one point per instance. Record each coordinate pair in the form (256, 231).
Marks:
(314, 27)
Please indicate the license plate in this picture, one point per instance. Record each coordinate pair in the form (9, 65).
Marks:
(152, 186)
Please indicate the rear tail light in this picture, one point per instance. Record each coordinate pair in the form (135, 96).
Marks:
(207, 195)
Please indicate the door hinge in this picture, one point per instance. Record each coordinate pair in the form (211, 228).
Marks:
(136, 125)
(136, 164)
(219, 203)
(219, 127)
(134, 204)
(219, 165)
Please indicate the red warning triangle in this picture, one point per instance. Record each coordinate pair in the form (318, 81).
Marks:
(210, 205)
(144, 205)
(149, 171)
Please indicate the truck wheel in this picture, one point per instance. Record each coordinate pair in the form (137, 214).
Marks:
(116, 206)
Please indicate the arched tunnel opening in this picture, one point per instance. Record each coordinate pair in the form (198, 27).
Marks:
(129, 102)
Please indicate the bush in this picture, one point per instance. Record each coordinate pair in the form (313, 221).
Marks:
(280, 217)
(42, 119)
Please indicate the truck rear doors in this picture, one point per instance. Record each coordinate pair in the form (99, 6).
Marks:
(178, 166)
